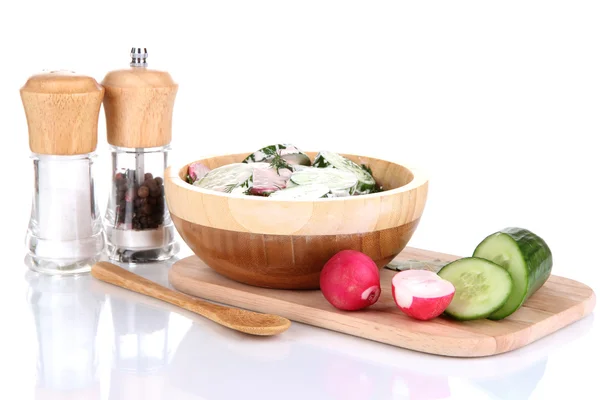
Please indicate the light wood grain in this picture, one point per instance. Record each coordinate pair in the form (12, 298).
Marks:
(558, 303)
(401, 203)
(62, 110)
(285, 261)
(253, 323)
(138, 106)
(284, 244)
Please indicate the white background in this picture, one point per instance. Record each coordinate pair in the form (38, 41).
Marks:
(499, 101)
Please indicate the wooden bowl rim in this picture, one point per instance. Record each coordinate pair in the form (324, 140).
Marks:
(420, 178)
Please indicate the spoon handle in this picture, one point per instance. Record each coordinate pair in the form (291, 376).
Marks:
(113, 274)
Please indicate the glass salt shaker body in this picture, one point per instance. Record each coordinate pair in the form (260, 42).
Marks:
(137, 223)
(64, 235)
(138, 106)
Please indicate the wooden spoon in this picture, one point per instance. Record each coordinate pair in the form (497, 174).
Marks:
(234, 318)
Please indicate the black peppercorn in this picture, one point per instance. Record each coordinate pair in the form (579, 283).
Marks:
(139, 206)
(143, 191)
(151, 183)
(147, 209)
(155, 192)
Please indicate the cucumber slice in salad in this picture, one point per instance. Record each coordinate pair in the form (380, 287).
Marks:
(482, 288)
(340, 183)
(301, 192)
(525, 256)
(366, 182)
(289, 153)
(230, 178)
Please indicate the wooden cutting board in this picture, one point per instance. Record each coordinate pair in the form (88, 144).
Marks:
(558, 303)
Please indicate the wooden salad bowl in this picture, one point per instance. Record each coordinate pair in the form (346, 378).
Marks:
(284, 244)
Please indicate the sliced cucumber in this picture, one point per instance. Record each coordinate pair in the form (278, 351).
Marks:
(301, 192)
(366, 182)
(293, 155)
(289, 153)
(340, 183)
(298, 167)
(525, 256)
(230, 178)
(240, 189)
(481, 287)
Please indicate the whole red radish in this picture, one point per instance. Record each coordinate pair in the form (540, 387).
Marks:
(350, 280)
(421, 294)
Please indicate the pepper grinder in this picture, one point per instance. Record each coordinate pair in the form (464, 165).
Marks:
(138, 105)
(64, 235)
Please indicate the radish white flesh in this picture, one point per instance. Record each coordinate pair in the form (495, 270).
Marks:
(421, 294)
(267, 180)
(196, 171)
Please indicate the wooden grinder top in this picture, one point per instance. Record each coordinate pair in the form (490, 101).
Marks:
(138, 105)
(62, 110)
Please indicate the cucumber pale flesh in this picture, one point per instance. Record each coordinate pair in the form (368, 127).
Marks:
(230, 178)
(525, 256)
(290, 153)
(481, 288)
(226, 178)
(341, 183)
(366, 182)
(301, 192)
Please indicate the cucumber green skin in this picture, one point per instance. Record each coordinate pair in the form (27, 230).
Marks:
(537, 258)
(268, 152)
(362, 187)
(474, 316)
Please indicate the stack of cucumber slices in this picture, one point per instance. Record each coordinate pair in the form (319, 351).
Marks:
(505, 270)
(282, 171)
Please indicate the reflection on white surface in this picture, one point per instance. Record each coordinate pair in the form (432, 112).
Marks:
(157, 351)
(408, 385)
(140, 349)
(266, 368)
(66, 312)
(518, 385)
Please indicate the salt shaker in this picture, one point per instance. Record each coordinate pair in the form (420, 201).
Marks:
(138, 105)
(64, 235)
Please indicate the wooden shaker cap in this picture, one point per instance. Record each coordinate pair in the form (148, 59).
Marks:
(62, 110)
(138, 105)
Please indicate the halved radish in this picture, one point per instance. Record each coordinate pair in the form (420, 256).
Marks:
(269, 180)
(196, 171)
(421, 294)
